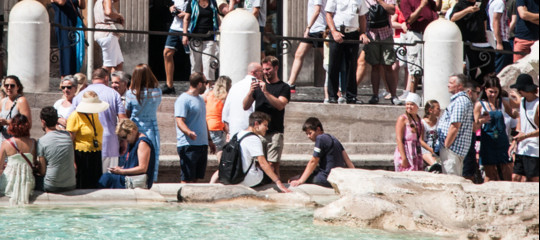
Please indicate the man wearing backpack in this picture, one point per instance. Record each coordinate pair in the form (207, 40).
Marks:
(254, 164)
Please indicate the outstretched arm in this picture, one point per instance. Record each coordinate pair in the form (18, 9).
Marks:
(268, 170)
(312, 164)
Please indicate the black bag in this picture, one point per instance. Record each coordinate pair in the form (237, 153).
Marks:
(230, 165)
(377, 16)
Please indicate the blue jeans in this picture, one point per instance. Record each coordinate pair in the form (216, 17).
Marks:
(503, 60)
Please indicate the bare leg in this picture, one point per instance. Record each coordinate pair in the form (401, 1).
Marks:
(430, 160)
(375, 78)
(507, 171)
(168, 59)
(361, 68)
(390, 81)
(301, 51)
(491, 173)
(109, 69)
(119, 67)
(518, 178)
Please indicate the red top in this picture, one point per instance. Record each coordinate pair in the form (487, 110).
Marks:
(400, 19)
(427, 14)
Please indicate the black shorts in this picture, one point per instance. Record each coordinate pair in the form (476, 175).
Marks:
(470, 165)
(316, 44)
(527, 166)
(193, 160)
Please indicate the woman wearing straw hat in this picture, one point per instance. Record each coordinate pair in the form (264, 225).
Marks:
(87, 133)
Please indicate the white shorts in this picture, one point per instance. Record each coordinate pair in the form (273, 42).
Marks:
(452, 163)
(110, 48)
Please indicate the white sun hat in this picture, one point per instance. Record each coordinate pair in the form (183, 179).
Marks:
(91, 104)
(414, 98)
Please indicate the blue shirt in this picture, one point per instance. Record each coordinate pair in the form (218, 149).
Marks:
(460, 110)
(193, 110)
(524, 29)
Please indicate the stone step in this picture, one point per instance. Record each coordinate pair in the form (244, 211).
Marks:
(291, 165)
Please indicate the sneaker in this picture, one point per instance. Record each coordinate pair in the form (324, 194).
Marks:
(332, 100)
(168, 90)
(354, 101)
(383, 94)
(396, 101)
(293, 88)
(341, 100)
(374, 100)
(403, 96)
(326, 101)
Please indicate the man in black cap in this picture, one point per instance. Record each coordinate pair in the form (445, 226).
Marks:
(526, 164)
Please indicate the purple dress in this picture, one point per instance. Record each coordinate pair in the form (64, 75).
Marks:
(411, 143)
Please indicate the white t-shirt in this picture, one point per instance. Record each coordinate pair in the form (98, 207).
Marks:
(498, 6)
(320, 24)
(178, 24)
(251, 148)
(529, 146)
(233, 110)
(261, 4)
(62, 111)
(347, 12)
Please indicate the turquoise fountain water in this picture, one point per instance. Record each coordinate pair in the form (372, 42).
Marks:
(177, 222)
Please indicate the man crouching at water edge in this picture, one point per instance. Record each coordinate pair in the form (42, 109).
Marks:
(327, 154)
(260, 173)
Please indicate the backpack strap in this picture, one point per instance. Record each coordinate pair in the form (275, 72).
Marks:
(240, 140)
(527, 117)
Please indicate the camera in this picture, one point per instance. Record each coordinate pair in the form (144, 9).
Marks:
(96, 144)
(175, 12)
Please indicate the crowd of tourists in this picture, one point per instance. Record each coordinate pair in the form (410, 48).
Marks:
(105, 134)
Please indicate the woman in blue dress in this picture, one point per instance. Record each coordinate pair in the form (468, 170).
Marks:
(494, 143)
(65, 14)
(142, 102)
(138, 170)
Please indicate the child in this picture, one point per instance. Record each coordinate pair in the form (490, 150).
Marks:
(409, 131)
(430, 141)
(327, 154)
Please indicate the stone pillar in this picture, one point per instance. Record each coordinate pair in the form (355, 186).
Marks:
(29, 45)
(443, 56)
(239, 44)
(135, 46)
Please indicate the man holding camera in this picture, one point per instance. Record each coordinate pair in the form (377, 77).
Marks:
(173, 43)
(271, 96)
(346, 21)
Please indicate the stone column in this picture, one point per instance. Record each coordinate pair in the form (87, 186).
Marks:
(135, 46)
(239, 44)
(443, 56)
(29, 45)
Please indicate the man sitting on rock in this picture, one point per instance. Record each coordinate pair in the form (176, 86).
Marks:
(259, 173)
(327, 154)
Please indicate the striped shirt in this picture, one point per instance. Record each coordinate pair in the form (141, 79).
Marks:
(460, 110)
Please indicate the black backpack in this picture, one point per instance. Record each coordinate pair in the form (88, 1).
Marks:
(230, 165)
(377, 16)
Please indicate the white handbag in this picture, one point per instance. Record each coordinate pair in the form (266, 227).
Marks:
(136, 181)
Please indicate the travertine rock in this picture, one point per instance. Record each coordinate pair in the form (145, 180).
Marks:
(425, 202)
(529, 65)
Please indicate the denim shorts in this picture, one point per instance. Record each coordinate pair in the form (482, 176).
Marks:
(175, 41)
(218, 138)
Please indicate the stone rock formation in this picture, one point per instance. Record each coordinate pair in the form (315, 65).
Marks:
(529, 65)
(433, 203)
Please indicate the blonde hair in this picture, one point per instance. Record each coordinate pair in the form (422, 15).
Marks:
(125, 127)
(82, 82)
(221, 87)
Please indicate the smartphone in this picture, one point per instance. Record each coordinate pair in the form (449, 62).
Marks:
(478, 4)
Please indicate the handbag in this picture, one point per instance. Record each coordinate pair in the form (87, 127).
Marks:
(80, 39)
(136, 181)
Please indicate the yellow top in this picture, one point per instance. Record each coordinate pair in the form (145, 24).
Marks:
(79, 125)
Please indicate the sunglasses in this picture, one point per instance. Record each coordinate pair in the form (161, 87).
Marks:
(64, 87)
(10, 85)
